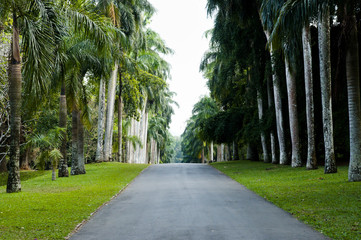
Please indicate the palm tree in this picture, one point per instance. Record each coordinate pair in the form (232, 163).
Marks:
(325, 76)
(87, 35)
(267, 15)
(353, 90)
(37, 19)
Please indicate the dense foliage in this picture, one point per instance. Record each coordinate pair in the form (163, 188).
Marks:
(101, 58)
(286, 90)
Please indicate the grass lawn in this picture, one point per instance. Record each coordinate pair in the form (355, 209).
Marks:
(48, 209)
(327, 202)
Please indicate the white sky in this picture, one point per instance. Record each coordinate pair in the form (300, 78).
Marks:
(182, 23)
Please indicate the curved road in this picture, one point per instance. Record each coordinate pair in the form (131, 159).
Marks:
(191, 201)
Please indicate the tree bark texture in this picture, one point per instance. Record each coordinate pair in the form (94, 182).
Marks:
(283, 159)
(219, 153)
(120, 119)
(63, 163)
(153, 151)
(74, 145)
(81, 160)
(99, 156)
(272, 135)
(296, 160)
(266, 158)
(353, 90)
(310, 115)
(13, 183)
(325, 76)
(110, 114)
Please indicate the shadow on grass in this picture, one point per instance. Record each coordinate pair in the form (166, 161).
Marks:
(24, 175)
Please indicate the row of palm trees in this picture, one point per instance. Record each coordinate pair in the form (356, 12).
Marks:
(73, 47)
(258, 49)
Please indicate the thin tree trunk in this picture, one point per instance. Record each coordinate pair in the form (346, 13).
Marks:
(266, 158)
(99, 156)
(53, 173)
(13, 183)
(236, 151)
(211, 153)
(24, 159)
(81, 162)
(63, 116)
(325, 76)
(120, 118)
(283, 159)
(110, 114)
(219, 153)
(307, 62)
(278, 107)
(272, 134)
(74, 144)
(111, 140)
(353, 90)
(203, 154)
(296, 160)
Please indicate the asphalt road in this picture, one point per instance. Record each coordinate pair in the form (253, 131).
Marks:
(191, 201)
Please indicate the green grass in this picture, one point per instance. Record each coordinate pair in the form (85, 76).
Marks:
(48, 209)
(327, 202)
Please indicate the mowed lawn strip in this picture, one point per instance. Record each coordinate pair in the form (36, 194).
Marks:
(327, 202)
(48, 209)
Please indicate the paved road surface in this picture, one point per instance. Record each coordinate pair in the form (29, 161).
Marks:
(191, 201)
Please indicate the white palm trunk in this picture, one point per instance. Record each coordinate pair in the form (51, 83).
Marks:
(211, 152)
(153, 151)
(101, 122)
(110, 114)
(272, 135)
(325, 76)
(296, 160)
(307, 62)
(263, 134)
(283, 159)
(353, 90)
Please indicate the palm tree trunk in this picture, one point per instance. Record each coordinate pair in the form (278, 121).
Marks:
(203, 154)
(74, 149)
(263, 134)
(307, 62)
(211, 153)
(296, 160)
(100, 151)
(219, 153)
(63, 116)
(120, 118)
(353, 90)
(272, 135)
(325, 76)
(278, 108)
(13, 183)
(283, 159)
(81, 162)
(110, 114)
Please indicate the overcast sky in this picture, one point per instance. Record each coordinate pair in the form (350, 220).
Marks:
(182, 23)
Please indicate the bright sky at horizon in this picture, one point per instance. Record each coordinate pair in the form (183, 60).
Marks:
(182, 24)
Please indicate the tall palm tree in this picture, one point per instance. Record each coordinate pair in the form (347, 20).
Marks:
(37, 21)
(325, 76)
(353, 90)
